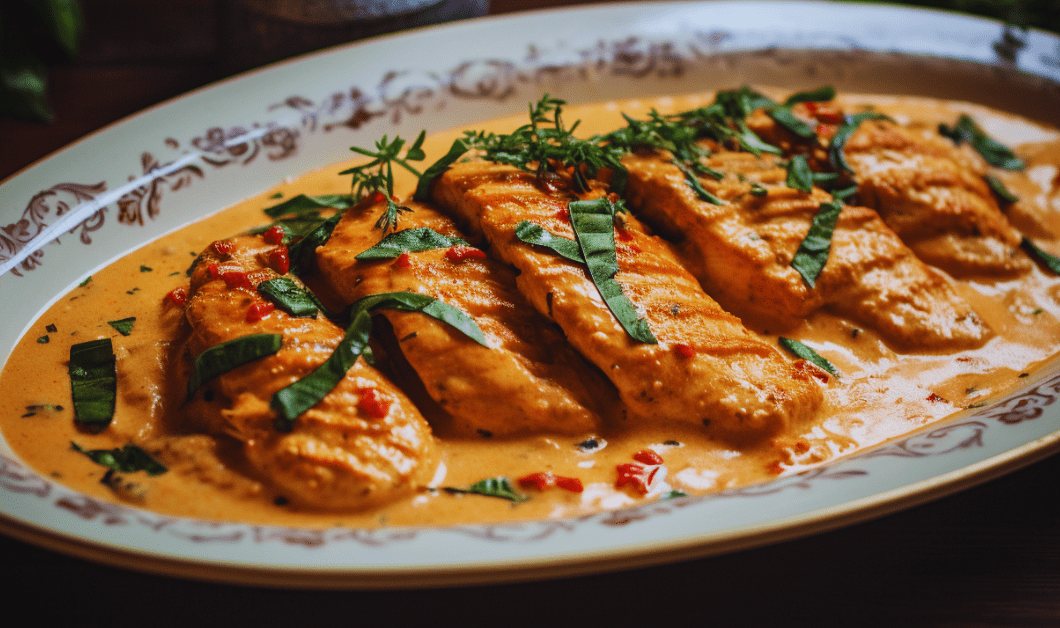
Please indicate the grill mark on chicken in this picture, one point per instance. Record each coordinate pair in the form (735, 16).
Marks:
(527, 381)
(741, 251)
(929, 192)
(726, 377)
(336, 457)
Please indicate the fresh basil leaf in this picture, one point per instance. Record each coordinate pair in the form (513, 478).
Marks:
(1050, 261)
(802, 351)
(124, 326)
(812, 255)
(492, 487)
(219, 359)
(303, 204)
(697, 187)
(844, 193)
(414, 302)
(785, 118)
(435, 170)
(293, 226)
(532, 233)
(302, 395)
(594, 229)
(799, 175)
(128, 459)
(994, 152)
(93, 382)
(409, 241)
(843, 133)
(1002, 192)
(290, 297)
(821, 94)
(303, 252)
(750, 141)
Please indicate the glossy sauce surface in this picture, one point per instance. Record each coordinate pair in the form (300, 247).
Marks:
(880, 394)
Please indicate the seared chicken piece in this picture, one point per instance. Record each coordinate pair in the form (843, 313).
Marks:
(706, 366)
(527, 380)
(362, 445)
(930, 192)
(741, 251)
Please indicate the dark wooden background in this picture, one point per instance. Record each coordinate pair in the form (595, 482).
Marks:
(989, 556)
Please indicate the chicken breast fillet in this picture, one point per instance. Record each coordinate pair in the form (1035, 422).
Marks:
(364, 444)
(928, 191)
(528, 380)
(706, 366)
(741, 250)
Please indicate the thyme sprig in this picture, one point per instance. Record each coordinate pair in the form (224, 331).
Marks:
(378, 174)
(546, 144)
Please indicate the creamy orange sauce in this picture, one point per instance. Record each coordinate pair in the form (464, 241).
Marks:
(880, 394)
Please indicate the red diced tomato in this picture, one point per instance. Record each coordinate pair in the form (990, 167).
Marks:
(547, 479)
(373, 404)
(684, 351)
(259, 310)
(826, 131)
(933, 398)
(223, 247)
(647, 456)
(274, 235)
(461, 252)
(636, 475)
(178, 296)
(280, 260)
(236, 279)
(573, 485)
(563, 214)
(540, 481)
(378, 197)
(403, 261)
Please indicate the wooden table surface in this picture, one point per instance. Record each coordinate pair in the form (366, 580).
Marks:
(989, 556)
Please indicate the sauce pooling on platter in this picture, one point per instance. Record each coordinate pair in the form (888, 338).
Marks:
(675, 296)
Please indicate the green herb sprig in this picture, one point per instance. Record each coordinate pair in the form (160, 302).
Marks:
(491, 487)
(378, 174)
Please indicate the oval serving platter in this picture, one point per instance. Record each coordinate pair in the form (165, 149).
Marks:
(153, 172)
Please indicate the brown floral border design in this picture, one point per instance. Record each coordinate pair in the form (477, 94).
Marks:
(947, 438)
(397, 95)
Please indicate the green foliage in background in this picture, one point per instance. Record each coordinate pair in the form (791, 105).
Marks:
(32, 34)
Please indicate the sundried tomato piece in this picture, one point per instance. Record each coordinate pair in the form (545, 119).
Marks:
(177, 296)
(647, 456)
(461, 252)
(279, 260)
(236, 279)
(274, 235)
(636, 475)
(684, 351)
(374, 404)
(223, 247)
(259, 310)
